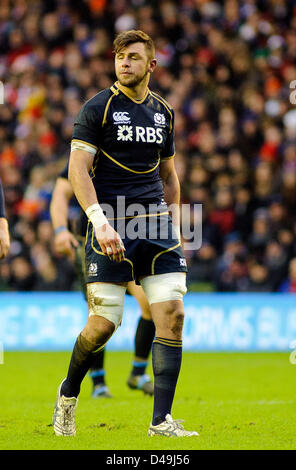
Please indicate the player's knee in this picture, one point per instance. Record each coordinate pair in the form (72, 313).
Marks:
(175, 318)
(106, 301)
(98, 330)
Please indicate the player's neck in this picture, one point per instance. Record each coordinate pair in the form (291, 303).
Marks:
(137, 93)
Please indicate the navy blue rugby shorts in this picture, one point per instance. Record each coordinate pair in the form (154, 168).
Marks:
(151, 248)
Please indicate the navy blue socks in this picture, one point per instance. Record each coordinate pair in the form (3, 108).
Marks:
(166, 361)
(81, 361)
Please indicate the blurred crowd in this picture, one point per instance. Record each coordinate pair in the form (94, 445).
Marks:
(226, 67)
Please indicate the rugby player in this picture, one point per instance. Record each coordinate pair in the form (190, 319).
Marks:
(73, 246)
(124, 136)
(4, 233)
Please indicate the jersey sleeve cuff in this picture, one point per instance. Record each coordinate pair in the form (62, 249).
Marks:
(163, 159)
(77, 144)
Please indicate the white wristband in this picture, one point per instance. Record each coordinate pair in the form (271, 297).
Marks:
(96, 215)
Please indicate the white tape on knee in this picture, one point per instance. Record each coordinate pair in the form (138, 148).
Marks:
(164, 287)
(106, 300)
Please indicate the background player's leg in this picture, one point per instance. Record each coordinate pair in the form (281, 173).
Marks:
(98, 376)
(145, 333)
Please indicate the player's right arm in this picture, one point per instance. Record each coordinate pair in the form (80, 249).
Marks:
(79, 168)
(4, 233)
(86, 140)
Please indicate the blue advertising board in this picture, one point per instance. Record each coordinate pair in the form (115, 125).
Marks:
(213, 322)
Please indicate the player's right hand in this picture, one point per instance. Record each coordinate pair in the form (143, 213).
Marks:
(110, 242)
(64, 243)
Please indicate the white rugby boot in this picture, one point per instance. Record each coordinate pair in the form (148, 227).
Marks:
(170, 428)
(64, 415)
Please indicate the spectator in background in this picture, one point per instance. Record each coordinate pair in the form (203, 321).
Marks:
(225, 67)
(260, 234)
(243, 211)
(277, 215)
(23, 275)
(275, 259)
(202, 267)
(52, 275)
(233, 278)
(289, 285)
(223, 214)
(231, 267)
(259, 279)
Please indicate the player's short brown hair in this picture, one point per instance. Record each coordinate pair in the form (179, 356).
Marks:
(126, 38)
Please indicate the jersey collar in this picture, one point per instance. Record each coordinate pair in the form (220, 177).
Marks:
(117, 86)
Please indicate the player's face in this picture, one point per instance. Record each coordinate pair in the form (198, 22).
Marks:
(132, 65)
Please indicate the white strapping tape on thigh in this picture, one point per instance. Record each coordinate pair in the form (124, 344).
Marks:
(164, 287)
(106, 300)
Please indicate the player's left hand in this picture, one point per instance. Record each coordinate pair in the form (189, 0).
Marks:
(4, 238)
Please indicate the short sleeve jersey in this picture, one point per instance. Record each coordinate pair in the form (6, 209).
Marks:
(130, 138)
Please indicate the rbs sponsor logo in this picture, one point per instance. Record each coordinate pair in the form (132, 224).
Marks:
(148, 135)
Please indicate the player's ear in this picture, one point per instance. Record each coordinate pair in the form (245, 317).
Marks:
(152, 65)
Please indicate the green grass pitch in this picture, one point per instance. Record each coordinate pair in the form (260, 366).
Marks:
(234, 401)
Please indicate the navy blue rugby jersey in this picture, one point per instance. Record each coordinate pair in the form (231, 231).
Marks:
(131, 137)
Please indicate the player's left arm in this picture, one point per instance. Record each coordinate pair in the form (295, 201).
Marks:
(4, 232)
(171, 188)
